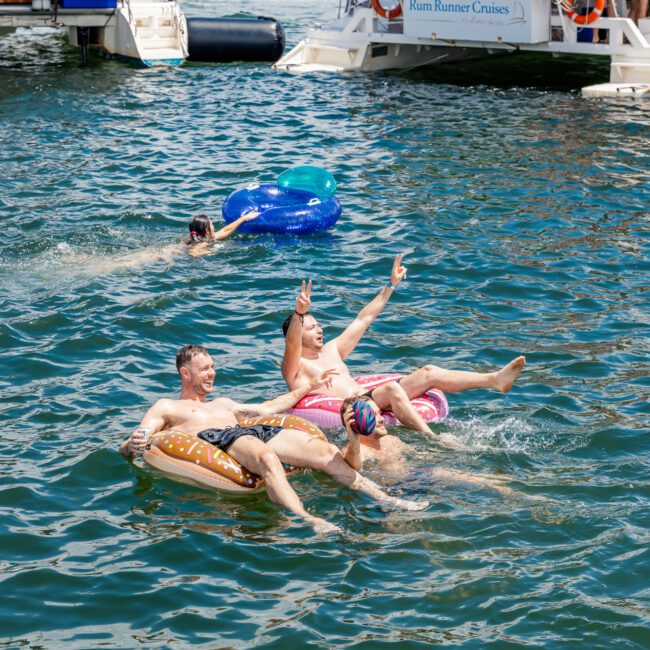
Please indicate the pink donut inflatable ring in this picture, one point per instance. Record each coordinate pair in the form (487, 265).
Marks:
(324, 411)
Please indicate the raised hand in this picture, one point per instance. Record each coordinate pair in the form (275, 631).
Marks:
(325, 379)
(399, 272)
(303, 302)
(348, 417)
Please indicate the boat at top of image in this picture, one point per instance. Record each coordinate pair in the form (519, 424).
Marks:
(367, 36)
(375, 35)
(149, 32)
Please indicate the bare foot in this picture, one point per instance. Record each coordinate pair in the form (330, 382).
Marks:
(536, 497)
(322, 526)
(415, 505)
(405, 504)
(505, 378)
(490, 481)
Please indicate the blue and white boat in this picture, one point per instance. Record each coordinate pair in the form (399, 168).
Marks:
(148, 32)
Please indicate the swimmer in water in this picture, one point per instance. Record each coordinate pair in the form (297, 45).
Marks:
(202, 232)
(197, 243)
(388, 452)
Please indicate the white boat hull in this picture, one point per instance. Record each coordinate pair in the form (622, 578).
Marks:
(362, 42)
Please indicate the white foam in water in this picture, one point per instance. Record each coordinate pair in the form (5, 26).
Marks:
(512, 434)
(83, 256)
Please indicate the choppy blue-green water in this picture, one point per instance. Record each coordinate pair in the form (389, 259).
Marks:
(524, 216)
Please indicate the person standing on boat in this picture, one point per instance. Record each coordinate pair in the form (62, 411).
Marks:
(262, 448)
(638, 9)
(306, 356)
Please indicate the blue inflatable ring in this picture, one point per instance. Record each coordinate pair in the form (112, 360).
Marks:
(283, 211)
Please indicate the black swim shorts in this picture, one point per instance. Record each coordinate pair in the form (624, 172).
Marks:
(223, 438)
(369, 393)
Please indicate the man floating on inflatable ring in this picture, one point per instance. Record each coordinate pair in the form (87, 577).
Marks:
(261, 449)
(306, 356)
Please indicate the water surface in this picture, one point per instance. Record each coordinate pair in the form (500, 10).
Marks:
(523, 213)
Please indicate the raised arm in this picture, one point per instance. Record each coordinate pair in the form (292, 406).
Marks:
(351, 451)
(284, 402)
(347, 341)
(153, 421)
(293, 339)
(228, 230)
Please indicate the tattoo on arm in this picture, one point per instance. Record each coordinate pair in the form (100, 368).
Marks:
(248, 412)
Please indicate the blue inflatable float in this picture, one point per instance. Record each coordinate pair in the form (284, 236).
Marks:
(302, 202)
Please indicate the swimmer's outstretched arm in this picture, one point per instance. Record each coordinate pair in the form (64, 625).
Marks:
(293, 340)
(352, 451)
(153, 422)
(283, 402)
(228, 230)
(348, 340)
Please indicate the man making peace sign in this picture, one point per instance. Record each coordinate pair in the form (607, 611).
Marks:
(306, 357)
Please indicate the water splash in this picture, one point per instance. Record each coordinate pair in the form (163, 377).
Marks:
(513, 434)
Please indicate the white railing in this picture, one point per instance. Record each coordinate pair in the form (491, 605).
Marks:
(617, 28)
(131, 18)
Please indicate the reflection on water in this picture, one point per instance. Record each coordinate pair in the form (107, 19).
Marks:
(523, 212)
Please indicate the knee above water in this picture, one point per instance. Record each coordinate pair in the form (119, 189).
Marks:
(326, 454)
(394, 390)
(269, 461)
(431, 369)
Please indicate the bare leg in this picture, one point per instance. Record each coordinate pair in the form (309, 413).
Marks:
(393, 397)
(299, 448)
(638, 9)
(456, 381)
(482, 480)
(259, 458)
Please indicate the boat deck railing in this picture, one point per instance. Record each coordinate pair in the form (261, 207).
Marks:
(622, 34)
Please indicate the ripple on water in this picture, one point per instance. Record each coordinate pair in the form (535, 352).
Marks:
(524, 234)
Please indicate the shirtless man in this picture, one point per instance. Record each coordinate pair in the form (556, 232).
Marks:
(261, 449)
(379, 446)
(388, 451)
(306, 357)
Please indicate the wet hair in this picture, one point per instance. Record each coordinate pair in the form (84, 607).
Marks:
(199, 228)
(349, 401)
(187, 353)
(287, 322)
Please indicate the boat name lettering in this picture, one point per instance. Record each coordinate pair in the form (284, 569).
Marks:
(480, 8)
(451, 6)
(420, 6)
(476, 7)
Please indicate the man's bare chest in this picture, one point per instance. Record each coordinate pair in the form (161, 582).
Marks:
(195, 417)
(326, 360)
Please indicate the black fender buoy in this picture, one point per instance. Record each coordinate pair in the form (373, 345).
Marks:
(224, 40)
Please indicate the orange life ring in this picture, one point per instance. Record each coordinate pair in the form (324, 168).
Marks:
(189, 459)
(591, 17)
(391, 13)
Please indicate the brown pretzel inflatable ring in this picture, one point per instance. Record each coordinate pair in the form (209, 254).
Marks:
(189, 459)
